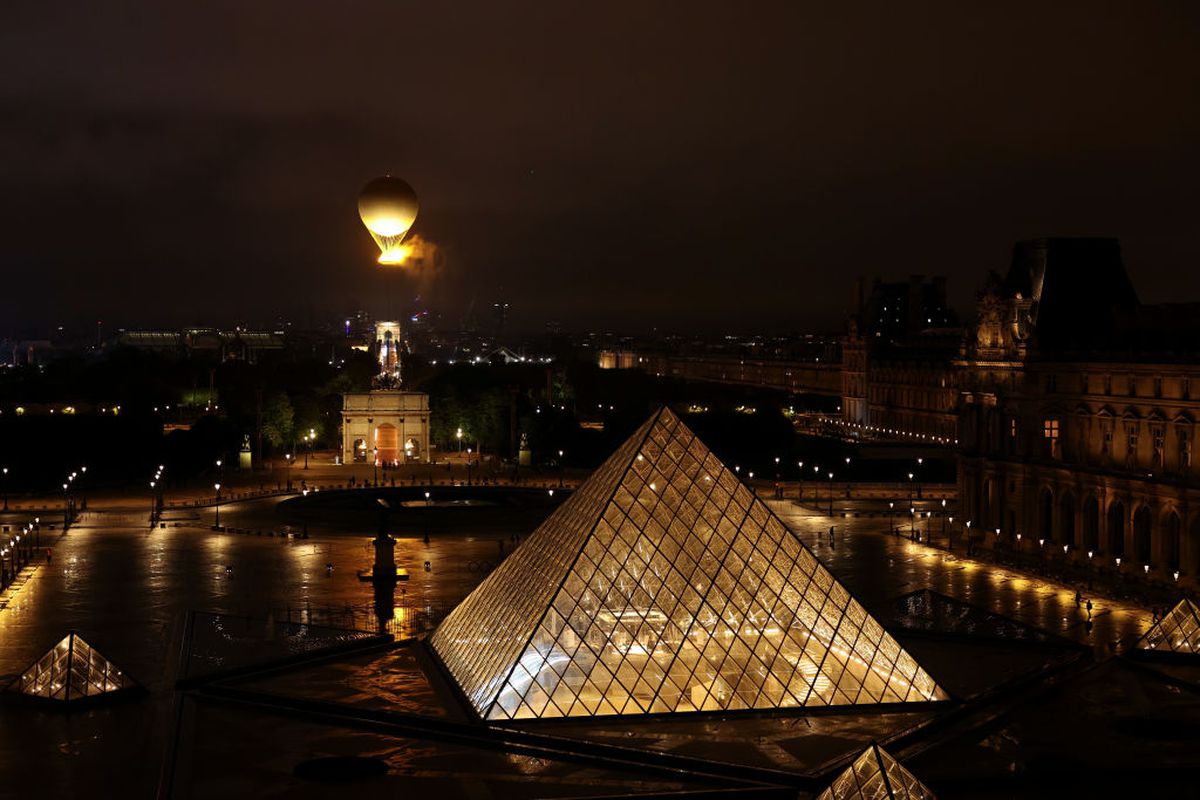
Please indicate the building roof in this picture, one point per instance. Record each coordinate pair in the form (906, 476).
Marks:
(1083, 301)
(72, 670)
(665, 585)
(875, 775)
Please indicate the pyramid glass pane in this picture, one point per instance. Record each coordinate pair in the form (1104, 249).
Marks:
(875, 775)
(72, 670)
(1177, 632)
(665, 585)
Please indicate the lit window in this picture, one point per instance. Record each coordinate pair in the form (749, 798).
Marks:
(1050, 431)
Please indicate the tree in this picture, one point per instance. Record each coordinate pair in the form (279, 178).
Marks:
(278, 420)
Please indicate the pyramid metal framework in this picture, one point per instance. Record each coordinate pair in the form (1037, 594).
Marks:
(72, 670)
(1177, 632)
(875, 775)
(664, 585)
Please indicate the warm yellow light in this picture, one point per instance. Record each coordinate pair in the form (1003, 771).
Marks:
(388, 208)
(394, 256)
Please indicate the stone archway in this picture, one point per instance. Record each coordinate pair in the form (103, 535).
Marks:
(1046, 515)
(1142, 543)
(360, 451)
(1091, 523)
(1172, 540)
(1116, 529)
(1066, 518)
(387, 442)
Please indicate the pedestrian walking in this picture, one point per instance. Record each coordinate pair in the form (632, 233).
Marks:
(1078, 598)
(830, 535)
(1089, 610)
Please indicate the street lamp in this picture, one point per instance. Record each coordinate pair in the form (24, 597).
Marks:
(800, 465)
(458, 435)
(310, 438)
(153, 503)
(562, 467)
(891, 516)
(374, 466)
(5, 479)
(831, 494)
(427, 523)
(217, 521)
(468, 466)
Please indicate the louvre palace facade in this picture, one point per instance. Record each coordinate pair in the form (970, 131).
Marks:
(1077, 416)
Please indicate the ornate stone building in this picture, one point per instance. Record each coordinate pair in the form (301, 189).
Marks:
(386, 426)
(1078, 414)
(899, 379)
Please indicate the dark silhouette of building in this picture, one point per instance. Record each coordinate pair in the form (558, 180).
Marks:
(898, 378)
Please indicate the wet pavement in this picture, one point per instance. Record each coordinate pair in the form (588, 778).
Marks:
(877, 567)
(126, 589)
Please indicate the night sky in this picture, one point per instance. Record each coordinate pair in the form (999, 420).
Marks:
(701, 165)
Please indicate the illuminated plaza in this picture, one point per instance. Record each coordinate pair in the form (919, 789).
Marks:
(642, 401)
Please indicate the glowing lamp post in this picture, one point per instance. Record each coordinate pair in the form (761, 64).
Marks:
(217, 520)
(4, 478)
(562, 467)
(831, 494)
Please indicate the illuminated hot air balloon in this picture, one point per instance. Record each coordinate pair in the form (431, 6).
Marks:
(388, 207)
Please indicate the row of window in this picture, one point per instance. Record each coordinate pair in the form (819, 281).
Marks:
(1130, 385)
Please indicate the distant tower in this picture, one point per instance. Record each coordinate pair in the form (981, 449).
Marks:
(388, 346)
(500, 316)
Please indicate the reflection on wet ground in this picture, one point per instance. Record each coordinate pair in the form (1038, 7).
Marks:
(877, 567)
(222, 641)
(216, 764)
(126, 590)
(390, 681)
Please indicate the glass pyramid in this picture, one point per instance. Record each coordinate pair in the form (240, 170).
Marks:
(875, 775)
(1177, 632)
(72, 670)
(664, 585)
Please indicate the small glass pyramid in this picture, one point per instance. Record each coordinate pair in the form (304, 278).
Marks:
(1177, 632)
(665, 585)
(72, 670)
(875, 775)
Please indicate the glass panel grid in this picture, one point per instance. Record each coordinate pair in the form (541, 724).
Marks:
(72, 670)
(696, 598)
(1177, 632)
(875, 775)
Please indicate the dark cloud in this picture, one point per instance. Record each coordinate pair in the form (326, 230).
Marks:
(631, 164)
